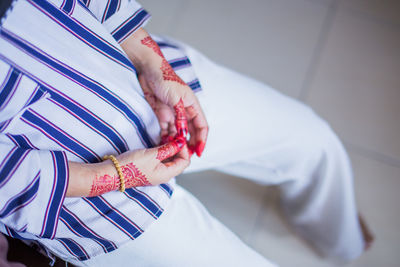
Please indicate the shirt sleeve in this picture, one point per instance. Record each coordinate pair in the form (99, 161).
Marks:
(33, 182)
(120, 17)
(33, 185)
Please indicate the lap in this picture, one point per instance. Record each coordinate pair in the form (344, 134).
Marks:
(247, 117)
(185, 235)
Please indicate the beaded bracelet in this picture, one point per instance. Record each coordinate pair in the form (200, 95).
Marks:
(121, 175)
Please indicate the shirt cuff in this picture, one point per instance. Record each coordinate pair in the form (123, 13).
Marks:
(52, 190)
(126, 21)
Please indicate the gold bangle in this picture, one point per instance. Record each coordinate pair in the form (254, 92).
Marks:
(121, 175)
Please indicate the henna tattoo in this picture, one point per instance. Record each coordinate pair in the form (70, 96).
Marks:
(170, 149)
(149, 42)
(166, 139)
(104, 184)
(180, 119)
(133, 176)
(169, 73)
(166, 151)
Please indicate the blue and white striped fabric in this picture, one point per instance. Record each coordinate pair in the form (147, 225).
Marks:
(69, 93)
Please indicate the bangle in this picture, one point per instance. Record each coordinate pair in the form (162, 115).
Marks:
(121, 175)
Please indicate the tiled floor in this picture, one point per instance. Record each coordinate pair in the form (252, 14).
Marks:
(342, 57)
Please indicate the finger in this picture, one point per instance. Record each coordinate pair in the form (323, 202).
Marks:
(201, 139)
(168, 133)
(166, 139)
(179, 163)
(166, 118)
(191, 150)
(180, 119)
(170, 149)
(192, 132)
(172, 129)
(198, 128)
(183, 154)
(164, 132)
(191, 143)
(200, 145)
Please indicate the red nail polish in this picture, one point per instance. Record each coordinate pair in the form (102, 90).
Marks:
(199, 148)
(191, 151)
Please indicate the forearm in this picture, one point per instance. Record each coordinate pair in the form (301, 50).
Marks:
(140, 54)
(147, 57)
(141, 167)
(85, 178)
(89, 180)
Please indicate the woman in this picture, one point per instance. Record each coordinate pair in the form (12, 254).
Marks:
(82, 80)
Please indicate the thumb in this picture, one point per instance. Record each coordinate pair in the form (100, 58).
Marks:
(178, 159)
(177, 165)
(170, 149)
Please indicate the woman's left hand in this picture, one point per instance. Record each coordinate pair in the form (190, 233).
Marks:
(174, 103)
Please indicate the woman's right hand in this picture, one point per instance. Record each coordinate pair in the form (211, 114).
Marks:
(143, 167)
(156, 165)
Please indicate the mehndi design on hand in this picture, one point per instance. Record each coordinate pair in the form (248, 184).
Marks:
(180, 120)
(103, 184)
(170, 149)
(106, 183)
(133, 176)
(167, 71)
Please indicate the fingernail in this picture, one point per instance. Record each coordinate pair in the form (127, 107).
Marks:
(199, 148)
(191, 151)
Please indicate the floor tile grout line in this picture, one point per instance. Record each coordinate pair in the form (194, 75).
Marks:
(371, 154)
(319, 47)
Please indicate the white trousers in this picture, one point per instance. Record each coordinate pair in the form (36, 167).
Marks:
(259, 134)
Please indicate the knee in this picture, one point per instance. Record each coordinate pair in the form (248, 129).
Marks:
(316, 140)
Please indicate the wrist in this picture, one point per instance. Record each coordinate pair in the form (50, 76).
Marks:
(141, 56)
(104, 178)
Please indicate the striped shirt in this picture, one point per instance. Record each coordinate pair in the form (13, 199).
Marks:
(68, 92)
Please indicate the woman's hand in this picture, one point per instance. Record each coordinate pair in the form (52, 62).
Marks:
(141, 167)
(178, 111)
(172, 100)
(154, 166)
